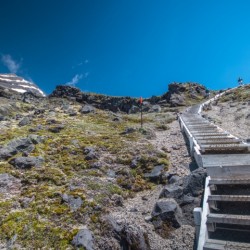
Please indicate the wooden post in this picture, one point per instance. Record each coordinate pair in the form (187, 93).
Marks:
(141, 111)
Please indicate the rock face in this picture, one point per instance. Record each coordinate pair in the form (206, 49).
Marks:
(12, 82)
(177, 93)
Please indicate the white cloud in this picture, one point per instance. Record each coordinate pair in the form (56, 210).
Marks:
(75, 80)
(10, 63)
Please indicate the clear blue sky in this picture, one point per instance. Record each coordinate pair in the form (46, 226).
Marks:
(126, 47)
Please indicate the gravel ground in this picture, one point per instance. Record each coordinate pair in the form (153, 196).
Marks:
(233, 117)
(135, 210)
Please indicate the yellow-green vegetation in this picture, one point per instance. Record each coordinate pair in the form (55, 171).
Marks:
(241, 94)
(48, 222)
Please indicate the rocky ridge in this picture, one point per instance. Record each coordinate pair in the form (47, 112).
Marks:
(178, 95)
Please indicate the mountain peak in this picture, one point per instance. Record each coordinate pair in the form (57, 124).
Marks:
(19, 84)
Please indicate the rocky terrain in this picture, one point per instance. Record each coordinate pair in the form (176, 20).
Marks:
(232, 112)
(78, 172)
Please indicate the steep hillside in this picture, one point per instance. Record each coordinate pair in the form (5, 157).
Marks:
(232, 112)
(73, 175)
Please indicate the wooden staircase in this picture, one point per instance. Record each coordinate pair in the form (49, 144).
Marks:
(225, 220)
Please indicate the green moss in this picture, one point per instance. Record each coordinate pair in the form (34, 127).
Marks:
(114, 189)
(47, 222)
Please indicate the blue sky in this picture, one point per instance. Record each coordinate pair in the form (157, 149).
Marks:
(126, 47)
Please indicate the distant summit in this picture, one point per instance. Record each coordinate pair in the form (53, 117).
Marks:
(19, 84)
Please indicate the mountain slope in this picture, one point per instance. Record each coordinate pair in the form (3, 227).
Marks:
(69, 170)
(19, 84)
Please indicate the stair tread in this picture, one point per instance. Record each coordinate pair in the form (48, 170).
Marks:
(223, 245)
(228, 219)
(229, 181)
(228, 198)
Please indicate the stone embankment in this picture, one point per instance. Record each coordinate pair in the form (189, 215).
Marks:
(223, 222)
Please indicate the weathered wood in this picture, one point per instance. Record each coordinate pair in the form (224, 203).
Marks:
(212, 244)
(221, 141)
(218, 148)
(214, 160)
(241, 198)
(235, 181)
(228, 219)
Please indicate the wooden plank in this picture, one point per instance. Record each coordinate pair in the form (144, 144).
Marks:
(212, 137)
(214, 160)
(212, 244)
(210, 134)
(228, 219)
(243, 198)
(241, 181)
(221, 141)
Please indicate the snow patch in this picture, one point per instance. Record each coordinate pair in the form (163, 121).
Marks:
(20, 90)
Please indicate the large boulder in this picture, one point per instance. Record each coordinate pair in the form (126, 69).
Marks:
(26, 162)
(20, 145)
(135, 238)
(25, 121)
(168, 211)
(84, 239)
(193, 184)
(156, 174)
(87, 109)
(7, 152)
(134, 109)
(56, 128)
(74, 202)
(129, 236)
(172, 191)
(155, 108)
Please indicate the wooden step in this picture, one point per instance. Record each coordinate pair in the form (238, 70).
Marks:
(224, 147)
(203, 125)
(198, 134)
(212, 244)
(228, 219)
(196, 123)
(241, 198)
(212, 137)
(227, 160)
(202, 130)
(220, 141)
(241, 181)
